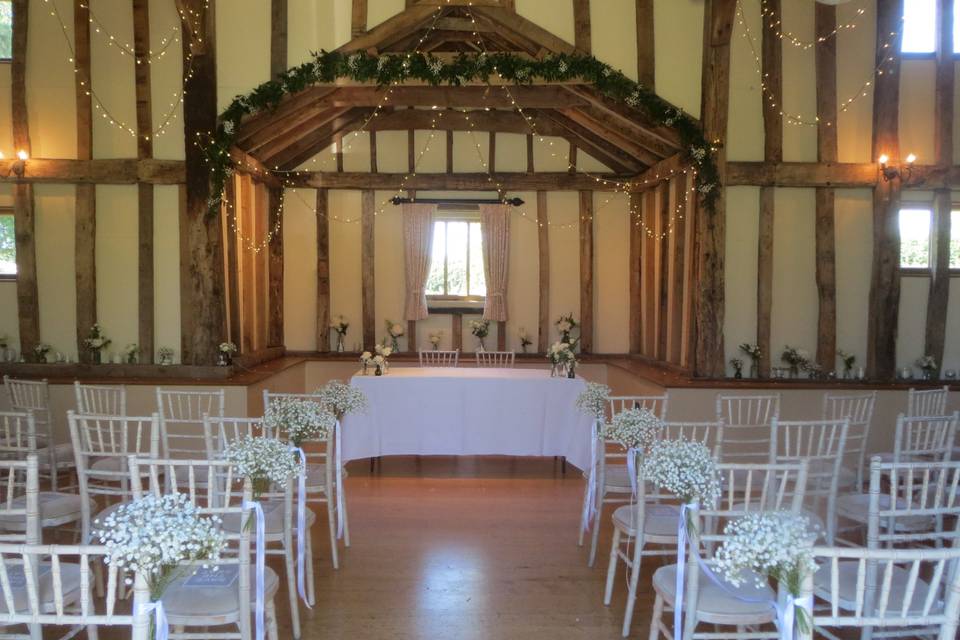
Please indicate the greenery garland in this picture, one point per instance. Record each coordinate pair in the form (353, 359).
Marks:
(327, 67)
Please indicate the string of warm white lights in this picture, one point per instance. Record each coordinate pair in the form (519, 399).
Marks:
(126, 48)
(256, 247)
(98, 104)
(769, 17)
(844, 105)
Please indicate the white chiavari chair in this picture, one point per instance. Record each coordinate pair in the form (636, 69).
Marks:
(101, 399)
(439, 358)
(181, 420)
(496, 359)
(323, 484)
(34, 395)
(277, 507)
(821, 443)
(189, 602)
(745, 488)
(746, 420)
(18, 441)
(923, 438)
(50, 586)
(927, 402)
(658, 512)
(612, 481)
(885, 593)
(858, 409)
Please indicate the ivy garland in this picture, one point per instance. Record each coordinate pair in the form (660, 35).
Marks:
(327, 67)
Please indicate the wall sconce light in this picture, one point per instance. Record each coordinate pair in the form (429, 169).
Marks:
(903, 172)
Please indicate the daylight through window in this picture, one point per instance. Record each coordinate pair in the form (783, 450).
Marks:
(6, 29)
(456, 262)
(955, 240)
(915, 238)
(8, 249)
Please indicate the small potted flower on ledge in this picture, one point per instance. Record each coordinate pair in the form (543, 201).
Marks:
(795, 359)
(435, 338)
(225, 355)
(340, 325)
(394, 330)
(165, 355)
(130, 353)
(928, 365)
(480, 329)
(565, 326)
(753, 352)
(848, 360)
(737, 365)
(525, 340)
(96, 342)
(40, 352)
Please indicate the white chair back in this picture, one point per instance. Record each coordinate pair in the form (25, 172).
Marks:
(657, 405)
(930, 437)
(101, 399)
(709, 434)
(181, 420)
(747, 420)
(439, 358)
(20, 501)
(28, 394)
(858, 409)
(927, 402)
(496, 359)
(18, 434)
(896, 592)
(821, 444)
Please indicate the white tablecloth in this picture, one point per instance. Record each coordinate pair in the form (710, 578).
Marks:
(469, 411)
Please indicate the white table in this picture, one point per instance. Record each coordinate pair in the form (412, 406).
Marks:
(469, 411)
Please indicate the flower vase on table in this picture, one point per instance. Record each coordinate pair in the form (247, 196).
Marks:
(572, 370)
(378, 371)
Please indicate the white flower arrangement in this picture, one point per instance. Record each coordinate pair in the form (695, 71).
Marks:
(366, 357)
(154, 535)
(264, 461)
(228, 348)
(340, 398)
(561, 353)
(634, 429)
(525, 340)
(927, 363)
(435, 337)
(96, 339)
(394, 329)
(848, 360)
(752, 351)
(565, 326)
(165, 355)
(40, 351)
(130, 353)
(301, 419)
(480, 328)
(795, 357)
(685, 469)
(593, 400)
(340, 325)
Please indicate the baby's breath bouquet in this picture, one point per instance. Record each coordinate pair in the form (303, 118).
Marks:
(685, 469)
(155, 535)
(593, 400)
(769, 544)
(634, 429)
(301, 419)
(340, 398)
(265, 461)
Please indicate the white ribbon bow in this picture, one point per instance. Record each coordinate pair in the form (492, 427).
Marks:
(160, 618)
(339, 465)
(589, 508)
(302, 526)
(261, 563)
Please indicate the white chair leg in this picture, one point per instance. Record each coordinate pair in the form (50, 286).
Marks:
(595, 535)
(271, 615)
(612, 566)
(346, 521)
(92, 632)
(311, 585)
(292, 590)
(584, 522)
(632, 592)
(332, 525)
(655, 618)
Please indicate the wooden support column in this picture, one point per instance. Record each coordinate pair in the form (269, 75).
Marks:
(323, 272)
(543, 248)
(662, 267)
(232, 277)
(367, 279)
(358, 18)
(278, 37)
(581, 25)
(145, 296)
(449, 151)
(676, 267)
(456, 331)
(938, 297)
(492, 153)
(202, 304)
(649, 289)
(711, 225)
(85, 230)
(586, 271)
(373, 152)
(773, 152)
(501, 335)
(28, 308)
(278, 64)
(412, 336)
(530, 153)
(883, 313)
(636, 250)
(645, 41)
(826, 268)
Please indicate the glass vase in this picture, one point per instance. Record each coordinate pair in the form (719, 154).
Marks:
(378, 371)
(340, 347)
(480, 346)
(754, 369)
(394, 344)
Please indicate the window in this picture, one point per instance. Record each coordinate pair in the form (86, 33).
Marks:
(915, 238)
(6, 29)
(456, 264)
(8, 249)
(919, 26)
(955, 240)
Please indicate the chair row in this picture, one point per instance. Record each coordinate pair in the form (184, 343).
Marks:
(451, 359)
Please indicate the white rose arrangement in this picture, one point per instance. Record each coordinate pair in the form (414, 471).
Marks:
(927, 364)
(155, 535)
(96, 340)
(394, 330)
(795, 358)
(634, 429)
(40, 351)
(340, 398)
(594, 399)
(130, 353)
(340, 325)
(565, 326)
(165, 355)
(435, 337)
(480, 328)
(227, 347)
(561, 353)
(685, 469)
(301, 419)
(265, 461)
(378, 359)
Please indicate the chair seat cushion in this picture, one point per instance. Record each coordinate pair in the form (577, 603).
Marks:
(69, 581)
(273, 516)
(847, 588)
(660, 520)
(184, 600)
(617, 479)
(55, 508)
(856, 507)
(63, 451)
(715, 601)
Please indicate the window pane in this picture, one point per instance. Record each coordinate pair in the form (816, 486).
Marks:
(6, 29)
(956, 26)
(478, 284)
(435, 280)
(919, 26)
(915, 238)
(955, 240)
(8, 251)
(457, 258)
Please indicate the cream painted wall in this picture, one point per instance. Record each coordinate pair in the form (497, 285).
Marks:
(740, 312)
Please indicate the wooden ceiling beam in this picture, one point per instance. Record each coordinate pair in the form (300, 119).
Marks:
(632, 132)
(615, 137)
(629, 116)
(97, 171)
(289, 135)
(509, 22)
(597, 146)
(291, 107)
(531, 97)
(397, 26)
(548, 181)
(319, 140)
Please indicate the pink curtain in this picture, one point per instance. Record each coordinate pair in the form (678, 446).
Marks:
(417, 238)
(495, 228)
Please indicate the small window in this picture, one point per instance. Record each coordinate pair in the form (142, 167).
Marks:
(919, 26)
(8, 247)
(915, 238)
(456, 264)
(6, 29)
(955, 240)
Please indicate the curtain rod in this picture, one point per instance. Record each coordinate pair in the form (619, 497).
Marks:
(515, 202)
